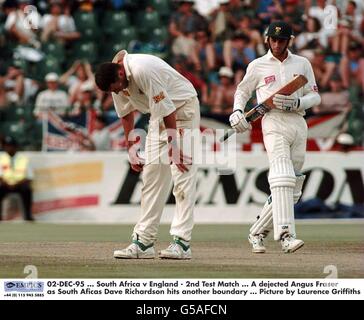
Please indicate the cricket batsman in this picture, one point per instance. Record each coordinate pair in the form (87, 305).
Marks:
(284, 133)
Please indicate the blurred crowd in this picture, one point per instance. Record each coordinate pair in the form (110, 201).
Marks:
(49, 50)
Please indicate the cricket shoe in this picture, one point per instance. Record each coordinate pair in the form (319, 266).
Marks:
(257, 242)
(178, 249)
(290, 244)
(136, 250)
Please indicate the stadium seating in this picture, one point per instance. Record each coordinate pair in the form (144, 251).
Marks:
(54, 49)
(113, 22)
(85, 50)
(84, 20)
(161, 6)
(15, 113)
(148, 21)
(17, 130)
(49, 64)
(128, 34)
(159, 34)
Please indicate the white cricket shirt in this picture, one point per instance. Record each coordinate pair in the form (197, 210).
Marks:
(154, 87)
(267, 75)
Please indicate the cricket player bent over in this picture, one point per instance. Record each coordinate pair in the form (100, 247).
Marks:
(148, 84)
(284, 133)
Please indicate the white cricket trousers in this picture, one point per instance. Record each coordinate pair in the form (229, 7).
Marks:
(158, 175)
(285, 136)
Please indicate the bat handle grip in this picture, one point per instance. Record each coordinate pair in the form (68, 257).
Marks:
(227, 135)
(249, 117)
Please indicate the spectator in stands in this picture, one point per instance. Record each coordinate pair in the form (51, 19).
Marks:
(181, 64)
(353, 14)
(183, 25)
(245, 26)
(267, 9)
(221, 22)
(98, 140)
(104, 102)
(350, 65)
(12, 86)
(59, 25)
(222, 97)
(343, 36)
(80, 73)
(16, 175)
(186, 20)
(22, 27)
(317, 59)
(52, 98)
(237, 54)
(329, 67)
(293, 12)
(85, 100)
(204, 53)
(320, 11)
(240, 8)
(100, 136)
(312, 37)
(334, 100)
(316, 11)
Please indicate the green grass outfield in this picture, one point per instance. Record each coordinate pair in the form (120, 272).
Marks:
(219, 251)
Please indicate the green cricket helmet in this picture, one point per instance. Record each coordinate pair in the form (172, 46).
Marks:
(280, 30)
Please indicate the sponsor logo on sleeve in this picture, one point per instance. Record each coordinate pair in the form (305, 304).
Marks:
(158, 98)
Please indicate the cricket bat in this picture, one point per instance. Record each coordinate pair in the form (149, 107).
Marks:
(262, 108)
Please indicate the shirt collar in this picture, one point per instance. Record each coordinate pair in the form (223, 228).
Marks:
(126, 64)
(270, 55)
(125, 55)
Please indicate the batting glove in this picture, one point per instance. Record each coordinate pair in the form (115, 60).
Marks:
(238, 121)
(286, 103)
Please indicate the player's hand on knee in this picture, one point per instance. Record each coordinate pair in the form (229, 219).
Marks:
(136, 159)
(286, 103)
(238, 121)
(178, 158)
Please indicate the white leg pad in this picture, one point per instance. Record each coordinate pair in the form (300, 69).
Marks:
(282, 181)
(297, 192)
(264, 223)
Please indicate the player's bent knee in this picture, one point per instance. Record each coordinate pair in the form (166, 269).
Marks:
(281, 173)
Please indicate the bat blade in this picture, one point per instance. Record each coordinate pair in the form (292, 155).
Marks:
(262, 108)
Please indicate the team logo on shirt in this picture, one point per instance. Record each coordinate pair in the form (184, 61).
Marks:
(269, 79)
(158, 98)
(277, 31)
(315, 88)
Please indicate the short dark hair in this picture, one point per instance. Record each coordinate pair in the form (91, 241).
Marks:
(106, 74)
(353, 3)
